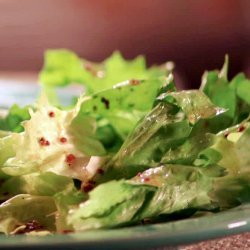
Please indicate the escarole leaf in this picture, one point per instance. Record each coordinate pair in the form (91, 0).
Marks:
(232, 95)
(22, 209)
(179, 187)
(6, 149)
(243, 147)
(229, 150)
(118, 208)
(62, 67)
(172, 187)
(131, 142)
(233, 189)
(125, 104)
(120, 91)
(64, 201)
(15, 116)
(165, 128)
(41, 184)
(53, 141)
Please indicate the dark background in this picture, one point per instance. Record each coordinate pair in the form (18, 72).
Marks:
(195, 34)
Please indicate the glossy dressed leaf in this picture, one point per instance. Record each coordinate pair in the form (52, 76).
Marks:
(172, 187)
(165, 128)
(41, 184)
(232, 95)
(13, 121)
(49, 138)
(22, 209)
(124, 104)
(63, 67)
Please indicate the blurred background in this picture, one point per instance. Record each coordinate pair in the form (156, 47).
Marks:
(195, 34)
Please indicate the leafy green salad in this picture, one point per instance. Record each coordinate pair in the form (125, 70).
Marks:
(131, 149)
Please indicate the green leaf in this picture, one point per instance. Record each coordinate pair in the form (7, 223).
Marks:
(121, 203)
(173, 188)
(63, 67)
(22, 209)
(234, 96)
(231, 191)
(13, 121)
(179, 188)
(41, 184)
(243, 90)
(164, 129)
(64, 201)
(6, 149)
(124, 104)
(39, 148)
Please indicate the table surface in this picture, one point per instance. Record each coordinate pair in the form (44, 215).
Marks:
(240, 241)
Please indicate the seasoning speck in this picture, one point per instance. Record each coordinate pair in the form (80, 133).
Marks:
(51, 114)
(70, 159)
(105, 102)
(146, 179)
(100, 171)
(43, 142)
(134, 82)
(63, 140)
(88, 186)
(241, 128)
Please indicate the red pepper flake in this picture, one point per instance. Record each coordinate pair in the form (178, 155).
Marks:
(51, 114)
(43, 142)
(241, 128)
(105, 102)
(31, 226)
(63, 140)
(88, 186)
(139, 174)
(90, 69)
(100, 171)
(70, 159)
(134, 82)
(146, 179)
(226, 134)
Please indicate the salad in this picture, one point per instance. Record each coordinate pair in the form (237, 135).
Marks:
(131, 149)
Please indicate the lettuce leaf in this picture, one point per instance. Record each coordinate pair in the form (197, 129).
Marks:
(125, 104)
(63, 67)
(165, 128)
(57, 141)
(64, 201)
(115, 88)
(22, 209)
(232, 95)
(173, 188)
(119, 207)
(16, 115)
(40, 184)
(6, 149)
